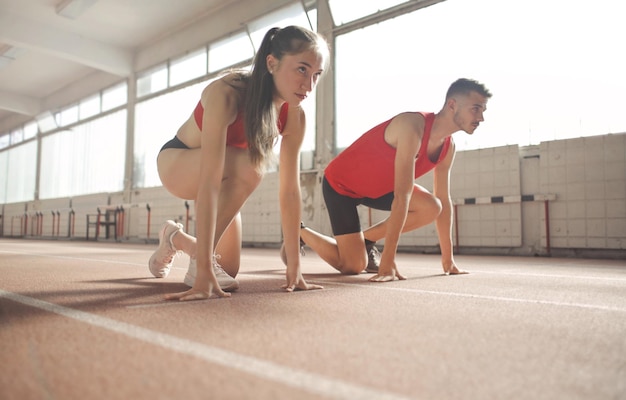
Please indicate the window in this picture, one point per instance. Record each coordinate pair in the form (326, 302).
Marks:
(19, 179)
(5, 140)
(89, 107)
(344, 11)
(230, 51)
(4, 173)
(152, 81)
(68, 115)
(46, 122)
(30, 130)
(95, 163)
(17, 136)
(114, 97)
(542, 88)
(293, 14)
(190, 66)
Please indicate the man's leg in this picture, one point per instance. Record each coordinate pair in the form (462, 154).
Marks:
(346, 253)
(346, 250)
(424, 208)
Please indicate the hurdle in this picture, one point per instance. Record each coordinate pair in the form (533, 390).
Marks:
(545, 198)
(114, 215)
(122, 208)
(21, 224)
(37, 218)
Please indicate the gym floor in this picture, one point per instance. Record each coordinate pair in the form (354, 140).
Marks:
(86, 320)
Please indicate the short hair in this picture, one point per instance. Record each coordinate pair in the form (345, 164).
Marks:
(465, 86)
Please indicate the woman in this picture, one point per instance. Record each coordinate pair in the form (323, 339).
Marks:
(218, 156)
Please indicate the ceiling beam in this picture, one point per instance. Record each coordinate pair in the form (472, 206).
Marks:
(22, 32)
(20, 104)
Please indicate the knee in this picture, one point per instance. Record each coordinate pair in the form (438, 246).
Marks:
(352, 267)
(429, 207)
(248, 178)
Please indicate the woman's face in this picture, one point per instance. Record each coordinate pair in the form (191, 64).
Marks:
(295, 75)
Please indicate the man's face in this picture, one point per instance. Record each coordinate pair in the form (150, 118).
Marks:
(468, 111)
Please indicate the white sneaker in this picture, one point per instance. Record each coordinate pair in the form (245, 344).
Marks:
(226, 282)
(161, 261)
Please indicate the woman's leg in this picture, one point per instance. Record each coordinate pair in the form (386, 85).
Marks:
(178, 169)
(229, 247)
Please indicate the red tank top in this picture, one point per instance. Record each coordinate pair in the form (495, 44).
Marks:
(236, 134)
(366, 167)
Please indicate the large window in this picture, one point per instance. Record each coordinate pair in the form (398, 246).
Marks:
(152, 81)
(18, 167)
(190, 66)
(292, 14)
(115, 96)
(555, 68)
(345, 11)
(89, 107)
(88, 158)
(230, 51)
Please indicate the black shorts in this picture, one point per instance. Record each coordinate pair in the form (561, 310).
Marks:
(175, 143)
(342, 210)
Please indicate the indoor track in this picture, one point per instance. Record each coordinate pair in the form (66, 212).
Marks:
(86, 320)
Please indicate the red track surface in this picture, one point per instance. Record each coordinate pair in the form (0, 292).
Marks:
(87, 321)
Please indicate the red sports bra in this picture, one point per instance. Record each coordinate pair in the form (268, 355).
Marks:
(236, 134)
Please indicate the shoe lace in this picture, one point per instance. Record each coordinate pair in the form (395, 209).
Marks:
(169, 257)
(302, 244)
(216, 266)
(373, 254)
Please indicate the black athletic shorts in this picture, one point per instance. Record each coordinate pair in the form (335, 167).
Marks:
(342, 210)
(175, 143)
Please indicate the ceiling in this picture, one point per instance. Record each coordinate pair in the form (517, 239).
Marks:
(42, 51)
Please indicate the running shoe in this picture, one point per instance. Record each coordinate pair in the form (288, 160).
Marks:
(226, 282)
(373, 259)
(161, 261)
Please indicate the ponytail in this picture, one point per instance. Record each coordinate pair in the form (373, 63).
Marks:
(260, 116)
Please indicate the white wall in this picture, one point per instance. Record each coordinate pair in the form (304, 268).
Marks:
(587, 176)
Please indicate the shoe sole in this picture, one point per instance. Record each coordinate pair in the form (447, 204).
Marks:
(158, 274)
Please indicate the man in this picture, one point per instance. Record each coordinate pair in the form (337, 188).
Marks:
(379, 169)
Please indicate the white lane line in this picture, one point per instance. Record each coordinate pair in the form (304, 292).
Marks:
(73, 258)
(298, 379)
(477, 296)
(543, 275)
